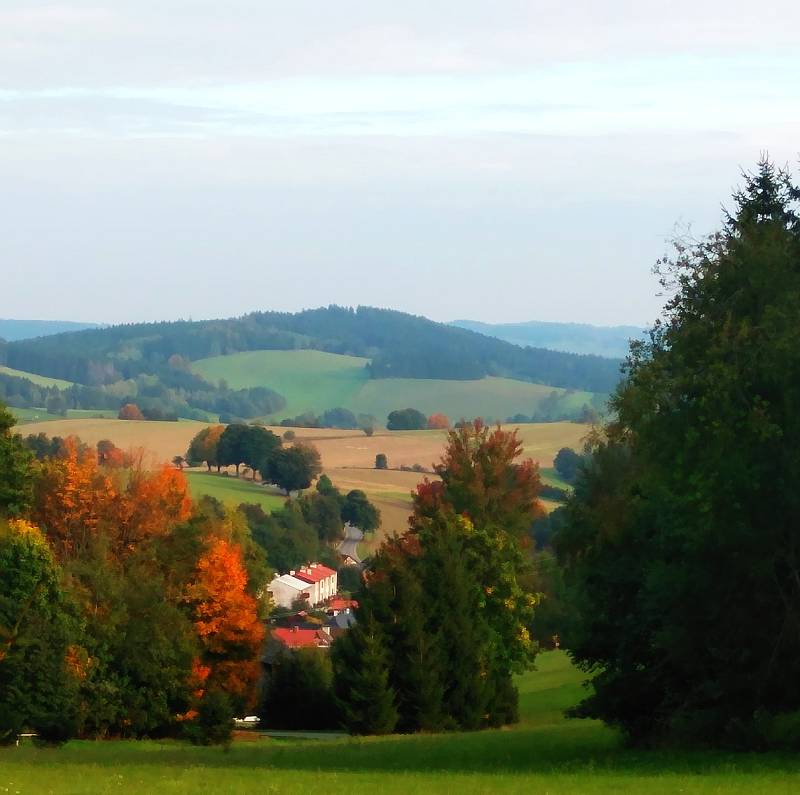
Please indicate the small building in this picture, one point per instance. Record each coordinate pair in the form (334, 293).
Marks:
(287, 588)
(315, 583)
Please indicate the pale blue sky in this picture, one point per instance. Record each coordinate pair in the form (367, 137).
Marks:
(503, 161)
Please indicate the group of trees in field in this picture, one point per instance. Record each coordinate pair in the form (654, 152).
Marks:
(332, 418)
(414, 420)
(291, 468)
(123, 605)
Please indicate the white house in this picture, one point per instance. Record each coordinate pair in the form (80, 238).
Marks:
(315, 583)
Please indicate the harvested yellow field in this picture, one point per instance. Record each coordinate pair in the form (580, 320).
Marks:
(163, 440)
(348, 457)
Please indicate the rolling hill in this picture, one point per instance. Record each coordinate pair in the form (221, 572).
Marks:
(609, 341)
(270, 364)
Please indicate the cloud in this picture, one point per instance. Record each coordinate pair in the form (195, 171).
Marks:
(199, 42)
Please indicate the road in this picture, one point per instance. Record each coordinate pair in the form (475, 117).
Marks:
(349, 546)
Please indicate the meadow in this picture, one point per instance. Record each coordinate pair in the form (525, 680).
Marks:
(544, 753)
(315, 381)
(40, 380)
(233, 491)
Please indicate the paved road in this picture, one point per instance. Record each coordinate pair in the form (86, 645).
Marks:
(349, 546)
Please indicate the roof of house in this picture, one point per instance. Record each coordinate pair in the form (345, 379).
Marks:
(298, 638)
(314, 572)
(291, 581)
(338, 603)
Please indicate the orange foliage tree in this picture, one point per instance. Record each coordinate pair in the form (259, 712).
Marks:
(438, 422)
(76, 499)
(130, 411)
(226, 620)
(482, 479)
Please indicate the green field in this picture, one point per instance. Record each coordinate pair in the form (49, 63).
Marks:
(316, 381)
(41, 380)
(25, 416)
(232, 490)
(545, 753)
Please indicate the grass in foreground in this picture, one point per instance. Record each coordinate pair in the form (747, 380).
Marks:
(233, 490)
(544, 753)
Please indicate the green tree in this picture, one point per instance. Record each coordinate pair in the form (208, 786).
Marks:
(293, 468)
(360, 512)
(406, 420)
(37, 689)
(361, 662)
(681, 544)
(566, 463)
(16, 483)
(298, 692)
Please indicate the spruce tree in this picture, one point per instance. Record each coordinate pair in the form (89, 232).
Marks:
(361, 662)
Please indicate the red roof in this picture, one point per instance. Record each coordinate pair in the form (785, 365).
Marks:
(337, 603)
(297, 638)
(314, 573)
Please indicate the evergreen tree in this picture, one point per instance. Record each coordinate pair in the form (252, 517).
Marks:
(16, 487)
(361, 662)
(682, 544)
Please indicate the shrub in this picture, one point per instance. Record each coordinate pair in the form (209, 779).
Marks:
(289, 435)
(214, 722)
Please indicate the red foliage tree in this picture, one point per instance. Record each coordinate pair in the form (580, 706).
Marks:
(482, 479)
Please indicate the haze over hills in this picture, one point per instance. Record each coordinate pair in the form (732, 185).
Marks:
(609, 341)
(399, 356)
(13, 330)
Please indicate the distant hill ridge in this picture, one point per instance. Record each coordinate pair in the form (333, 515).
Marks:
(13, 330)
(582, 338)
(398, 345)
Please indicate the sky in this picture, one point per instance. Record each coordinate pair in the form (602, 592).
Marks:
(500, 160)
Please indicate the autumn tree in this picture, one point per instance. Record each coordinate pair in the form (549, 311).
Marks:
(130, 411)
(227, 623)
(438, 422)
(482, 478)
(109, 455)
(204, 447)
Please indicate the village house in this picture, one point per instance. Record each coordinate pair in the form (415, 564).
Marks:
(315, 583)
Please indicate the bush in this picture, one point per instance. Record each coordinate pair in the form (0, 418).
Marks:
(214, 722)
(289, 435)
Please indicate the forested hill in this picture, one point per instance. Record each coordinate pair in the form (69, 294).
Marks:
(398, 345)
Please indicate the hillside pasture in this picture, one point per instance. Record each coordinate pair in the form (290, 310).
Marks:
(309, 380)
(232, 490)
(40, 380)
(315, 381)
(544, 753)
